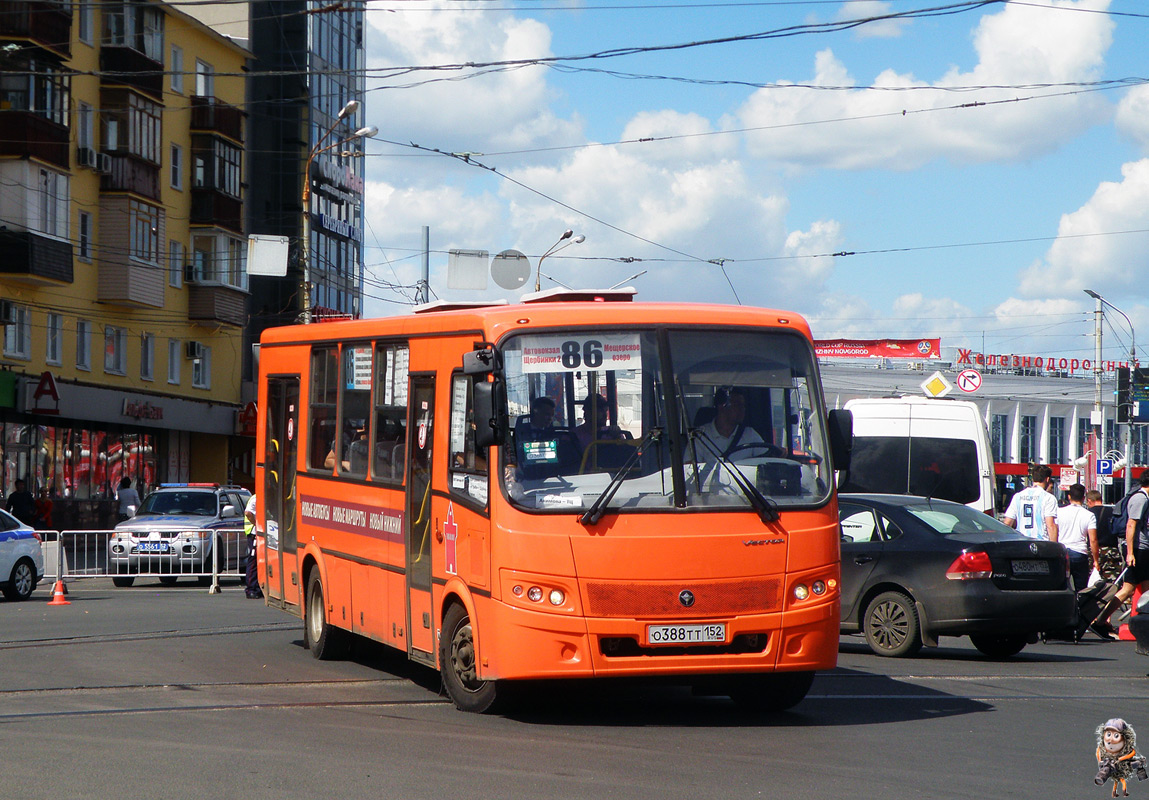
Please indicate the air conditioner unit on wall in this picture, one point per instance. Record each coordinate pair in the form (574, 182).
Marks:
(86, 157)
(104, 163)
(194, 350)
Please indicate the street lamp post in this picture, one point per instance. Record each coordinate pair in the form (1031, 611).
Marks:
(305, 248)
(1132, 366)
(554, 248)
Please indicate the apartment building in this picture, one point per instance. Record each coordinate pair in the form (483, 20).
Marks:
(123, 285)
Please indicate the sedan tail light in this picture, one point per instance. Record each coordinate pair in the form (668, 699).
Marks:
(969, 566)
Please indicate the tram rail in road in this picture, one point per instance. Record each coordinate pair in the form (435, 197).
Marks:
(172, 692)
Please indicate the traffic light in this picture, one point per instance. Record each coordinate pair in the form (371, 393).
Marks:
(1122, 395)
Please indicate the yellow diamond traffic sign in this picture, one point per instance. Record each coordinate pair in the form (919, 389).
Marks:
(936, 385)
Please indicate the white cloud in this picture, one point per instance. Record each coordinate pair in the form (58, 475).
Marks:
(1019, 45)
(863, 9)
(504, 109)
(1112, 263)
(1132, 117)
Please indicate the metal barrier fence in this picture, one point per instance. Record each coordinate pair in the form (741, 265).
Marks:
(205, 555)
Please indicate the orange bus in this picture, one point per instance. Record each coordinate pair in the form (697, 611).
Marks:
(573, 486)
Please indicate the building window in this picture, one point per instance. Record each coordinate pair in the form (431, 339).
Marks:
(218, 168)
(177, 167)
(84, 22)
(55, 334)
(1027, 440)
(52, 208)
(18, 334)
(218, 258)
(204, 79)
(145, 232)
(36, 85)
(999, 437)
(1057, 440)
(177, 69)
(139, 26)
(147, 356)
(83, 344)
(177, 256)
(201, 370)
(85, 127)
(85, 243)
(115, 345)
(174, 359)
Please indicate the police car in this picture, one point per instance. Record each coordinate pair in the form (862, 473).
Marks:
(21, 561)
(173, 530)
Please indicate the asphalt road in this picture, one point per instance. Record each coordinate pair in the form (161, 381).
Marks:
(154, 692)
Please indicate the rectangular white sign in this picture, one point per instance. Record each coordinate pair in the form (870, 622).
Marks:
(571, 352)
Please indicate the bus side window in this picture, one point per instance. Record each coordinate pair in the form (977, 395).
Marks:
(389, 431)
(321, 439)
(468, 467)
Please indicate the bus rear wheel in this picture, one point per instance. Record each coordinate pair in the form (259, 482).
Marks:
(770, 692)
(325, 641)
(457, 665)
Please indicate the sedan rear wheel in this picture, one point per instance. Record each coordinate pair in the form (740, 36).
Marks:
(1001, 645)
(891, 625)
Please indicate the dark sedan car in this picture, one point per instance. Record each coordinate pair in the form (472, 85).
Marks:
(914, 569)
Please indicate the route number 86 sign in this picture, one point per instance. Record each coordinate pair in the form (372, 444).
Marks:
(563, 352)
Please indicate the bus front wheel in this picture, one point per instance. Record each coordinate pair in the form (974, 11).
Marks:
(776, 691)
(325, 641)
(457, 664)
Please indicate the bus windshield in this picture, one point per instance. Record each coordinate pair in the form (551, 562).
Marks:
(644, 419)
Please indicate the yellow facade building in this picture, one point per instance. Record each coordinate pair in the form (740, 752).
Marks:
(123, 284)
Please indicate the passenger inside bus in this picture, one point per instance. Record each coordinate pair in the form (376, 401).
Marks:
(603, 446)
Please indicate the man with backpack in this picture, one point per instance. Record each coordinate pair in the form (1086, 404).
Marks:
(1129, 517)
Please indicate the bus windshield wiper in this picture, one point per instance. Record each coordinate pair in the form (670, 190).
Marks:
(767, 509)
(598, 508)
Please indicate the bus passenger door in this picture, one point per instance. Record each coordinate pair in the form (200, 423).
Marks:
(279, 496)
(420, 430)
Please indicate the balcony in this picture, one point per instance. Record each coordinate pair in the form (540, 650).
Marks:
(29, 134)
(48, 24)
(215, 116)
(131, 174)
(31, 257)
(121, 65)
(217, 302)
(210, 207)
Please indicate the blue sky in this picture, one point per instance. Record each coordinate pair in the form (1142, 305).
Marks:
(986, 221)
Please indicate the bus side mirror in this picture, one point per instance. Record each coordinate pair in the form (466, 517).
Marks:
(488, 426)
(841, 429)
(483, 360)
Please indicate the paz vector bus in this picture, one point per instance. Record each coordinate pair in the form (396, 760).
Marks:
(576, 485)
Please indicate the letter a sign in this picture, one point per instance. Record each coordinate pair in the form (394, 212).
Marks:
(46, 400)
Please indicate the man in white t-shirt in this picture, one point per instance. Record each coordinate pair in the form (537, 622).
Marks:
(728, 431)
(1077, 530)
(1033, 511)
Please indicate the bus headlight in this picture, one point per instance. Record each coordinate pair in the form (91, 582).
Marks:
(557, 597)
(535, 594)
(801, 591)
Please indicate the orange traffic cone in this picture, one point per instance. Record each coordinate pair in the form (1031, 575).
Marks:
(1123, 632)
(58, 593)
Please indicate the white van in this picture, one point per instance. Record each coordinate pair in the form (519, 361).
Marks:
(921, 446)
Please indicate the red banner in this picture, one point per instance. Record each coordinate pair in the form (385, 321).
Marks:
(878, 348)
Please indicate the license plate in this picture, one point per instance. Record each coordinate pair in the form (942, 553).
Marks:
(686, 634)
(152, 547)
(1029, 566)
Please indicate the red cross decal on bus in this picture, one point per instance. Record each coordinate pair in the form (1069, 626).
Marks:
(451, 532)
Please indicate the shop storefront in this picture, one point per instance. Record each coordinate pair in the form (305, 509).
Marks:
(74, 444)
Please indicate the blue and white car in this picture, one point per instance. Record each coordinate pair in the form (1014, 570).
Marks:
(173, 531)
(21, 560)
